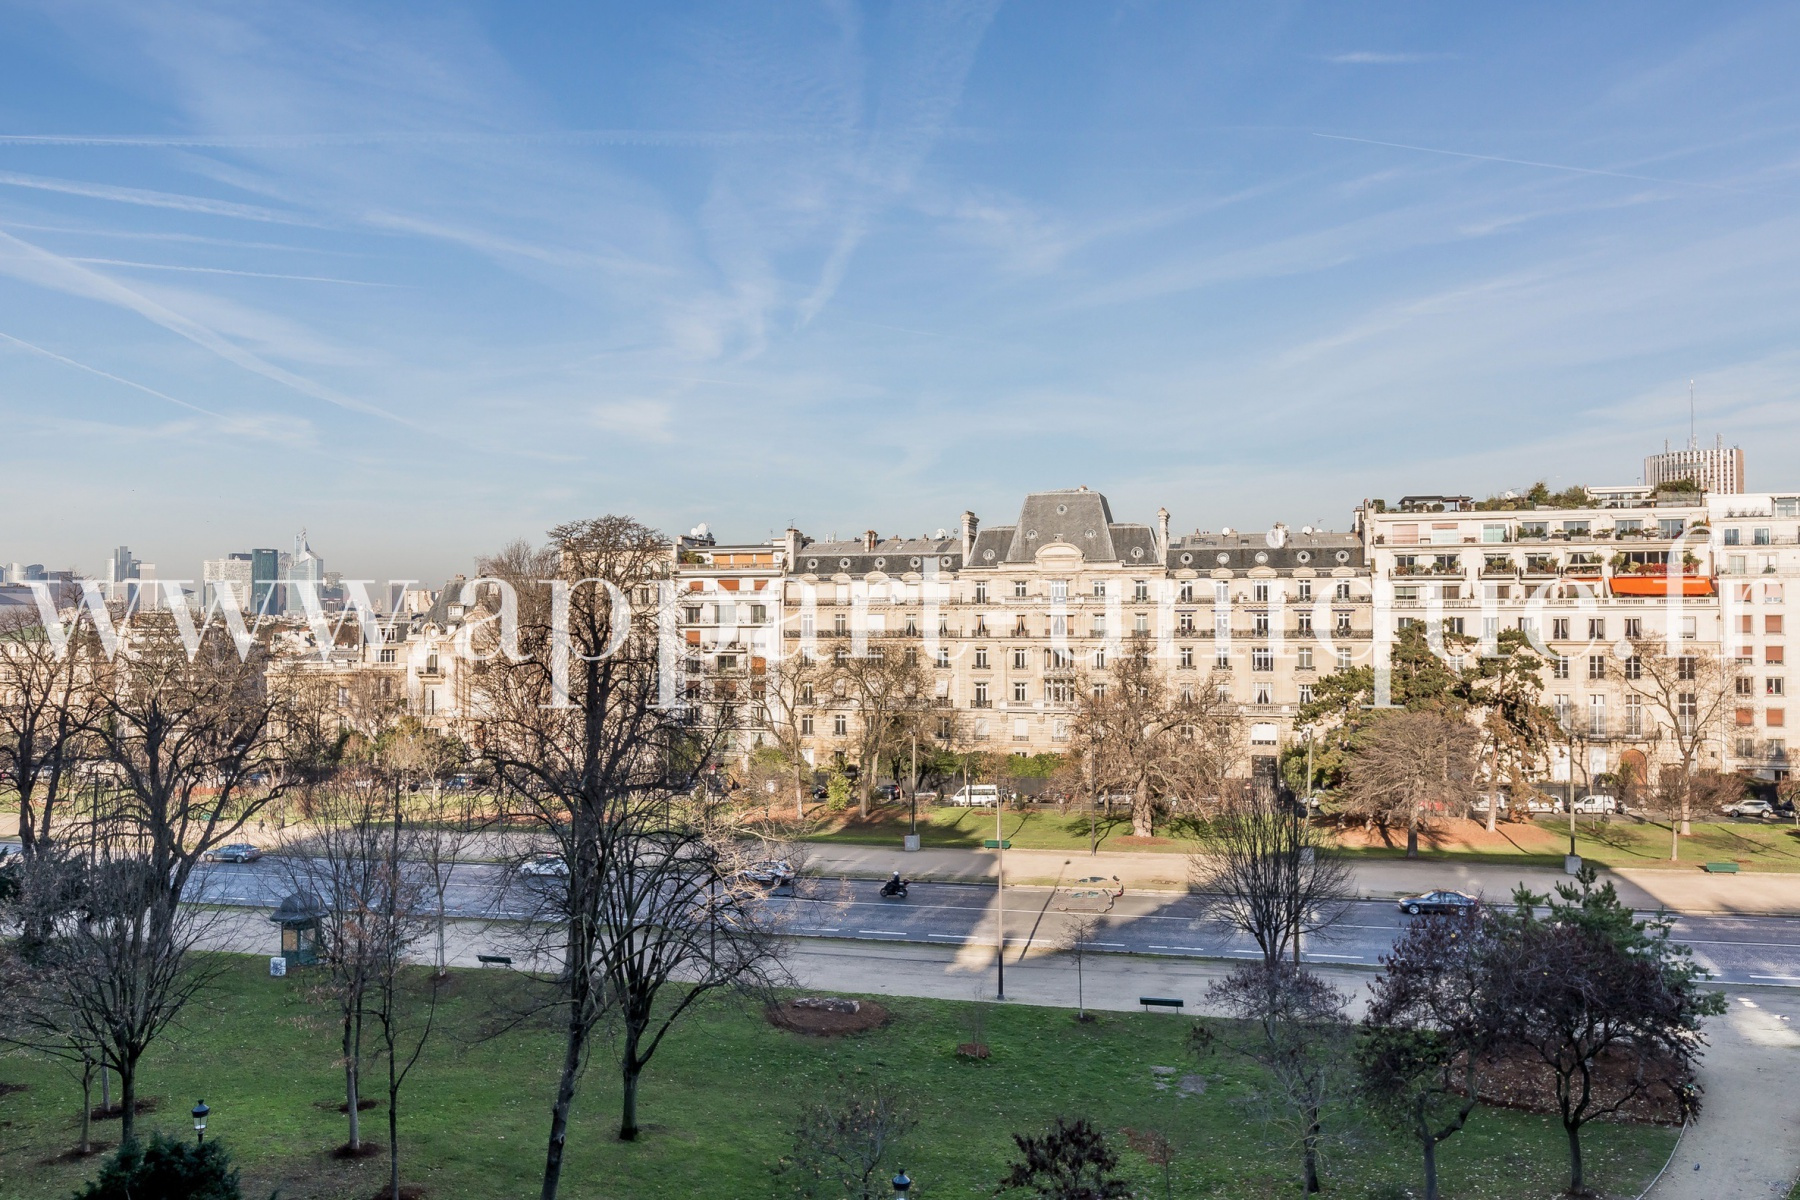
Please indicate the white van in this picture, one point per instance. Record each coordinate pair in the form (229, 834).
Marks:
(1596, 804)
(985, 795)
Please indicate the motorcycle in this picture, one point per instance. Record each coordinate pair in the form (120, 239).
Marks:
(894, 889)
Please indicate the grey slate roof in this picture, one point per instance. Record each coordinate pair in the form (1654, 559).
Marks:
(1071, 516)
(1323, 551)
(892, 556)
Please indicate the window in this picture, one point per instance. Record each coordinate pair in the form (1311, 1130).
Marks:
(1772, 624)
(1186, 593)
(1020, 662)
(1343, 589)
(1140, 623)
(1774, 686)
(1343, 623)
(1260, 622)
(1260, 694)
(1772, 655)
(1690, 627)
(1184, 622)
(1760, 536)
(1222, 659)
(1634, 667)
(1059, 590)
(1303, 624)
(1775, 718)
(840, 624)
(1259, 592)
(1187, 693)
(1099, 624)
(1597, 716)
(806, 724)
(691, 614)
(981, 695)
(1733, 537)
(1559, 629)
(1019, 696)
(1100, 660)
(1099, 691)
(1187, 658)
(943, 656)
(1262, 659)
(1406, 592)
(1634, 715)
(1020, 590)
(1787, 506)
(759, 613)
(1099, 589)
(1221, 592)
(981, 659)
(1634, 628)
(981, 594)
(1559, 667)
(1304, 589)
(1343, 658)
(1303, 658)
(1493, 533)
(1670, 527)
(388, 656)
(1306, 693)
(1596, 666)
(1687, 709)
(1737, 564)
(1746, 747)
(1562, 711)
(1745, 686)
(944, 727)
(1687, 667)
(1597, 629)
(1140, 589)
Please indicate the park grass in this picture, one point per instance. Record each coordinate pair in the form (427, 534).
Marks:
(721, 1095)
(1620, 841)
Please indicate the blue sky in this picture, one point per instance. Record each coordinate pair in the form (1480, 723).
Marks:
(424, 279)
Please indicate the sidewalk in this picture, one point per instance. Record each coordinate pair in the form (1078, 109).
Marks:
(1747, 894)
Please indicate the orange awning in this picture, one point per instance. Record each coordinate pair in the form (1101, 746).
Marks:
(1658, 585)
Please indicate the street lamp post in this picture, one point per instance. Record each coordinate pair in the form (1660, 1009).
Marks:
(1000, 897)
(902, 1186)
(200, 1111)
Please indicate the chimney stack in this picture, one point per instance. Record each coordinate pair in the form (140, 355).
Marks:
(869, 540)
(792, 547)
(1162, 532)
(969, 525)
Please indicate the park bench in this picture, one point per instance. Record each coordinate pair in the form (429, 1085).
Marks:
(493, 960)
(1728, 868)
(1150, 1002)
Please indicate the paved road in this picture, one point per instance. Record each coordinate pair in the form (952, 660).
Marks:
(1740, 950)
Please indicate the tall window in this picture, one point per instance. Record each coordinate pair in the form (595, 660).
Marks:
(1019, 660)
(1303, 658)
(1343, 623)
(1305, 589)
(806, 724)
(1343, 658)
(1140, 590)
(1019, 696)
(1634, 715)
(1687, 710)
(943, 656)
(1259, 592)
(1597, 716)
(1099, 589)
(1100, 660)
(1559, 629)
(981, 658)
(1343, 589)
(1187, 657)
(1634, 627)
(1303, 623)
(981, 593)
(1597, 629)
(1559, 667)
(981, 695)
(1306, 693)
(1141, 623)
(1222, 659)
(1261, 694)
(1634, 667)
(840, 725)
(1020, 590)
(1262, 659)
(1596, 666)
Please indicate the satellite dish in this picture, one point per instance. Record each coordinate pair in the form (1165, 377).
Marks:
(1225, 529)
(1276, 537)
(1306, 529)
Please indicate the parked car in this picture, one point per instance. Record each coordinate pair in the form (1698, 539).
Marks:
(1594, 804)
(1750, 808)
(771, 873)
(1453, 903)
(984, 795)
(1483, 801)
(1538, 806)
(886, 791)
(545, 865)
(236, 852)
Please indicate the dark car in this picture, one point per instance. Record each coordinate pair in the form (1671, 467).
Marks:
(236, 852)
(1453, 903)
(770, 874)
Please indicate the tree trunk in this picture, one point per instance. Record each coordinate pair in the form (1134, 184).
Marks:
(1310, 1158)
(393, 1131)
(127, 1102)
(1575, 1184)
(105, 1089)
(352, 1096)
(1142, 824)
(559, 1112)
(87, 1108)
(631, 1068)
(1431, 1186)
(1412, 841)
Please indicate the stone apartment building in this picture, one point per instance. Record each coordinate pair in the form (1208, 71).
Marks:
(1711, 572)
(1011, 621)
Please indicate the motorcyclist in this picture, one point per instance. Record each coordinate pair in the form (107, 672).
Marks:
(895, 886)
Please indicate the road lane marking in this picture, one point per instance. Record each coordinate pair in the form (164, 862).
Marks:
(884, 932)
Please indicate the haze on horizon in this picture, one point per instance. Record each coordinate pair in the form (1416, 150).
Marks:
(425, 278)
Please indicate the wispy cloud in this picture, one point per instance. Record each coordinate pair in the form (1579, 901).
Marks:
(145, 266)
(1382, 58)
(154, 199)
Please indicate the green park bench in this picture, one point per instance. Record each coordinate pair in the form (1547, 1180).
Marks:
(493, 960)
(1150, 1002)
(1729, 868)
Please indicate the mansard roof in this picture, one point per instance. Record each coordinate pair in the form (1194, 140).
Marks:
(1073, 517)
(892, 556)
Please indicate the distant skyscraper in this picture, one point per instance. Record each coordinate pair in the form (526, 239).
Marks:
(121, 566)
(1719, 470)
(265, 580)
(303, 567)
(234, 571)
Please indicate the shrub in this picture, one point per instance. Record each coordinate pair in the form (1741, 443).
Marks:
(165, 1170)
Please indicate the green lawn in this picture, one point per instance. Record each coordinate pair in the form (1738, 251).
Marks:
(722, 1094)
(1617, 842)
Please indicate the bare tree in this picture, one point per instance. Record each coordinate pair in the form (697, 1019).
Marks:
(1156, 744)
(1078, 934)
(888, 690)
(44, 711)
(1687, 694)
(1412, 769)
(1068, 1161)
(1296, 1031)
(1264, 870)
(1433, 1016)
(842, 1141)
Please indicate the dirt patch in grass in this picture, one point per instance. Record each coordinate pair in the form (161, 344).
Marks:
(1515, 1079)
(369, 1149)
(408, 1191)
(94, 1150)
(7, 1089)
(113, 1112)
(805, 1014)
(1143, 843)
